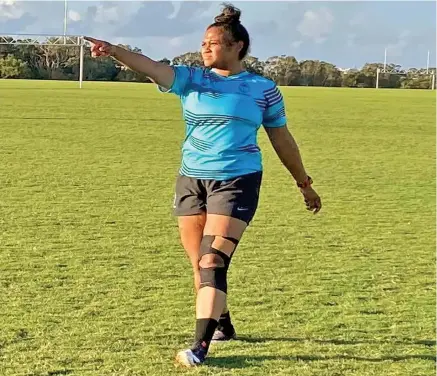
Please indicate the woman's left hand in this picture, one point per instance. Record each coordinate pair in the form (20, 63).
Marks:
(312, 199)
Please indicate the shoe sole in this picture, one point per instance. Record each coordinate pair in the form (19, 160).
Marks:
(226, 339)
(183, 359)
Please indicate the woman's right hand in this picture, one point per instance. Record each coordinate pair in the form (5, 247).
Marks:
(160, 73)
(100, 47)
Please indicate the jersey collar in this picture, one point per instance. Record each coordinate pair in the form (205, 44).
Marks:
(232, 76)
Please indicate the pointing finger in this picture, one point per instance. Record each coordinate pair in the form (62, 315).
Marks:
(92, 40)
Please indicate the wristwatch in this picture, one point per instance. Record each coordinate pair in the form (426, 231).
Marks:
(305, 184)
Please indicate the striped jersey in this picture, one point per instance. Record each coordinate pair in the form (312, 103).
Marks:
(222, 117)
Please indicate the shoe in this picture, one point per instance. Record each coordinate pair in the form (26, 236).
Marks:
(221, 334)
(191, 357)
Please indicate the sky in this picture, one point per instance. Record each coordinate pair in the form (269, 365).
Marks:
(345, 33)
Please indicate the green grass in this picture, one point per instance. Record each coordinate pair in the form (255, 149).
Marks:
(93, 280)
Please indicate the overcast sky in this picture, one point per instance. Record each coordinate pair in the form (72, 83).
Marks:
(347, 34)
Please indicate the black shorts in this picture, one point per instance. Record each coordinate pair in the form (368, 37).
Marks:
(237, 197)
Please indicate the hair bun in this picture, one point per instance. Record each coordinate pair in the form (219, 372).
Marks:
(229, 15)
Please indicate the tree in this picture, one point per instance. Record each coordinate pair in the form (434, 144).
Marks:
(417, 79)
(308, 69)
(350, 78)
(11, 67)
(7, 49)
(53, 59)
(103, 69)
(130, 48)
(329, 75)
(128, 75)
(60, 62)
(192, 59)
(319, 73)
(165, 61)
(254, 65)
(284, 70)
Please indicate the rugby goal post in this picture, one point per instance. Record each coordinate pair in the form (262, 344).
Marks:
(48, 40)
(384, 70)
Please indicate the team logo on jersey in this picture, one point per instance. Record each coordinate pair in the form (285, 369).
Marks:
(204, 81)
(244, 88)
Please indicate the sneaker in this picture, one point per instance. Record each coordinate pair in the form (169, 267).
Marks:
(221, 334)
(191, 357)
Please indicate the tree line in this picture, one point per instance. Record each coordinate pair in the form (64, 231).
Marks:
(62, 63)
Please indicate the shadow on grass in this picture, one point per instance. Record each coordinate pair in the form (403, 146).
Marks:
(60, 372)
(52, 373)
(244, 361)
(78, 118)
(425, 342)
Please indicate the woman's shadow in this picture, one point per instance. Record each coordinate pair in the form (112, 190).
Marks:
(244, 361)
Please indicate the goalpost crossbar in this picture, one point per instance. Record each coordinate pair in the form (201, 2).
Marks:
(48, 40)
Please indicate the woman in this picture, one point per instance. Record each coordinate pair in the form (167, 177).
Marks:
(218, 186)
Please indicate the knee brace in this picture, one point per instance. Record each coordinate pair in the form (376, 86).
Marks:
(233, 240)
(213, 265)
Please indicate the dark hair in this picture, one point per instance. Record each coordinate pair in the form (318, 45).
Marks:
(229, 21)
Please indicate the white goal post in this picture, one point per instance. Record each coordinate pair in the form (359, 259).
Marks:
(48, 40)
(384, 70)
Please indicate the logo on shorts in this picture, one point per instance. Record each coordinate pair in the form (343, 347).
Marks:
(242, 209)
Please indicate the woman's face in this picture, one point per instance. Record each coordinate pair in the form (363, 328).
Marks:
(218, 50)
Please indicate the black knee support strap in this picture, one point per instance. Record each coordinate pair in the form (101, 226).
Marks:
(233, 240)
(216, 276)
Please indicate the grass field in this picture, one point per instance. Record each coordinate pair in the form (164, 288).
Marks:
(93, 280)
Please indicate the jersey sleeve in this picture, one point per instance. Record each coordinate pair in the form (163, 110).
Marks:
(183, 76)
(274, 113)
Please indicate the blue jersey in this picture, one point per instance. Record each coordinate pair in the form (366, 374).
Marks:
(222, 117)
